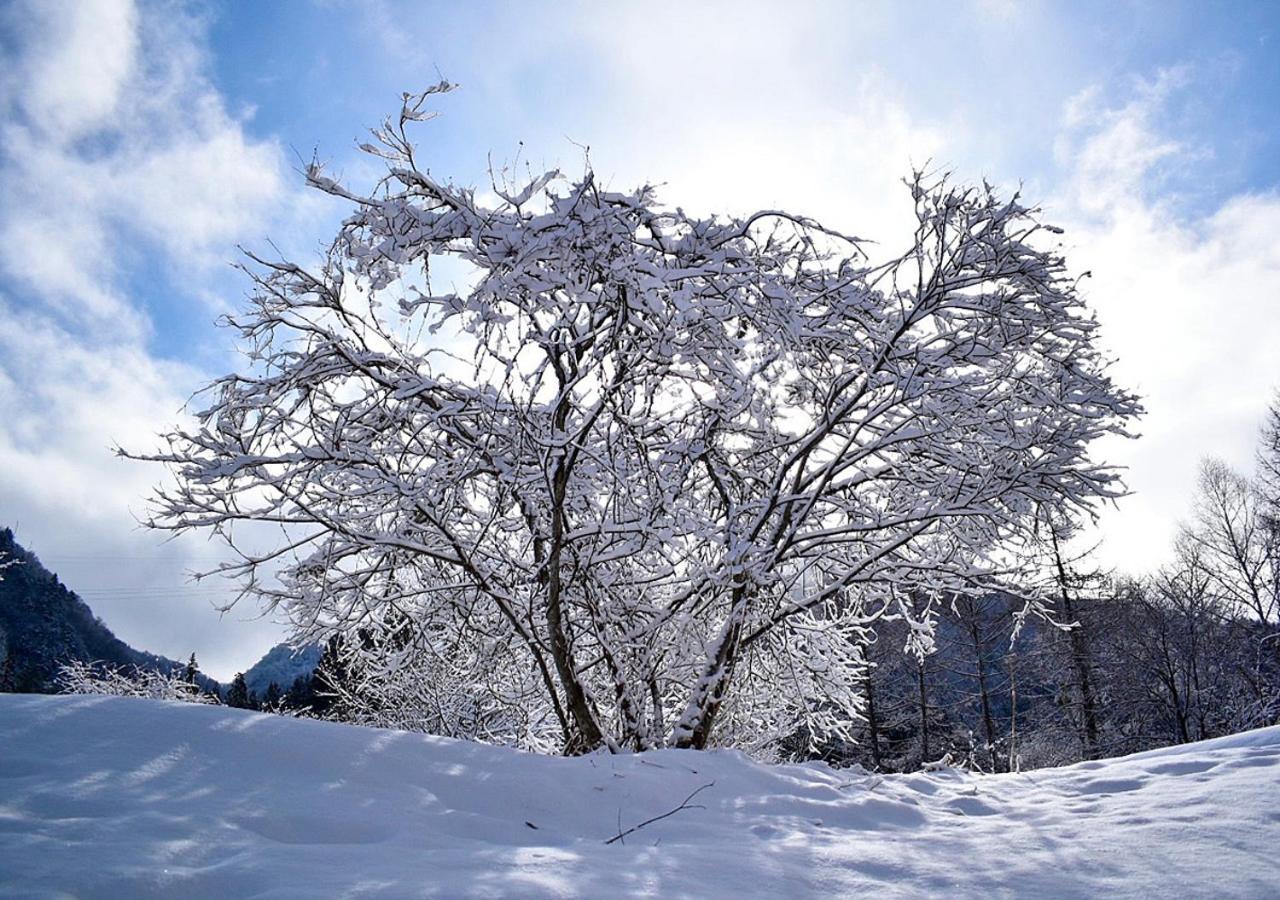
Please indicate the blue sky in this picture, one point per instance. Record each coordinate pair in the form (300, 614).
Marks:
(141, 143)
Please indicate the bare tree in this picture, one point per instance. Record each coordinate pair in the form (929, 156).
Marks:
(648, 479)
(1230, 533)
(1268, 471)
(983, 628)
(1183, 654)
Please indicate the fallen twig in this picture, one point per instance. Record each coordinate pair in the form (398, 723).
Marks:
(684, 804)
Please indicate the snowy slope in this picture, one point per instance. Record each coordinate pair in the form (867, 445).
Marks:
(115, 797)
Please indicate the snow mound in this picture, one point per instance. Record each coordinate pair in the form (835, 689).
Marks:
(117, 797)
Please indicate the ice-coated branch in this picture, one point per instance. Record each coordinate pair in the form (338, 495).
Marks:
(568, 468)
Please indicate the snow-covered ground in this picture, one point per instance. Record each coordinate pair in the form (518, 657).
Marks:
(116, 797)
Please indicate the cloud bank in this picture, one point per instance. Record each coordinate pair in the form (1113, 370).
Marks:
(120, 166)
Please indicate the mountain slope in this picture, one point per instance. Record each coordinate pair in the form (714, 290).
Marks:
(110, 797)
(44, 624)
(282, 664)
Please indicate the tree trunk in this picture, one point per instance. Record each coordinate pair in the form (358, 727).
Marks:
(924, 712)
(694, 728)
(873, 722)
(1014, 764)
(988, 721)
(588, 735)
(1079, 661)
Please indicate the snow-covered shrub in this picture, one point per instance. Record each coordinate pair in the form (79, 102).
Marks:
(79, 677)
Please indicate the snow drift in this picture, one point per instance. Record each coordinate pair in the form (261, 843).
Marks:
(118, 797)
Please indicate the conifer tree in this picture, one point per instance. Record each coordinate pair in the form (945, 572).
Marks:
(238, 694)
(301, 695)
(8, 682)
(271, 700)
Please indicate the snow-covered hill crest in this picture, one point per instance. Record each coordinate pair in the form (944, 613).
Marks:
(112, 797)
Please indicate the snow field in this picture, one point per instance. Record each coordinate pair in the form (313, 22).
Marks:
(120, 797)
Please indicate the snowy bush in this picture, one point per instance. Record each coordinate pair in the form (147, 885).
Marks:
(572, 469)
(79, 677)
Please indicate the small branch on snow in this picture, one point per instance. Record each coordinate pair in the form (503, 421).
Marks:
(684, 804)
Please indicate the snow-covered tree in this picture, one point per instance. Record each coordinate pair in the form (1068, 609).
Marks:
(570, 468)
(80, 677)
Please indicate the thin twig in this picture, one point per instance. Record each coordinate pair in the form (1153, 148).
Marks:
(684, 804)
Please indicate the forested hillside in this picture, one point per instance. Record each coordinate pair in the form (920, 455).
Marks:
(44, 624)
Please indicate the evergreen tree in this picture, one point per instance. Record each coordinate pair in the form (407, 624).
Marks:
(329, 678)
(271, 700)
(238, 694)
(301, 694)
(192, 670)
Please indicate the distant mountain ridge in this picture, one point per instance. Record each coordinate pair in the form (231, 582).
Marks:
(44, 624)
(282, 665)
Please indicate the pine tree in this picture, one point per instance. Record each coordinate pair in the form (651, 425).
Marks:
(271, 700)
(301, 694)
(8, 681)
(329, 677)
(238, 693)
(192, 670)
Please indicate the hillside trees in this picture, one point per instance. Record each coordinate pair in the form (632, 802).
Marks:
(646, 478)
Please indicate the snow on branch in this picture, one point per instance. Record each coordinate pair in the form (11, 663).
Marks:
(80, 677)
(569, 468)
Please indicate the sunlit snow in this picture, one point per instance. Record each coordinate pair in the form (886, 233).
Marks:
(116, 797)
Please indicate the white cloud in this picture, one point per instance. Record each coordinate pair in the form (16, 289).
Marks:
(82, 53)
(116, 142)
(738, 107)
(120, 164)
(1190, 306)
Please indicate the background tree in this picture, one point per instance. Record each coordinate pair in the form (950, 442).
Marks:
(973, 648)
(301, 695)
(1268, 478)
(1231, 536)
(238, 693)
(271, 699)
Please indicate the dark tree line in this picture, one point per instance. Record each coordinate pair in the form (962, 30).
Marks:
(1188, 653)
(300, 697)
(1148, 664)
